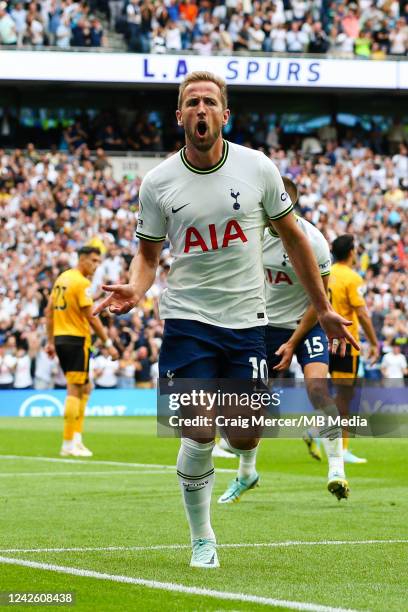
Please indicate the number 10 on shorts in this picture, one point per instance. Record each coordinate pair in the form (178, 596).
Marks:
(259, 369)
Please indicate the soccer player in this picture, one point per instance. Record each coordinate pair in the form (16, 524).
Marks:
(213, 199)
(293, 329)
(69, 319)
(346, 292)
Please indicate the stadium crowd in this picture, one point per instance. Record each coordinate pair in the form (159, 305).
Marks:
(367, 28)
(62, 24)
(52, 203)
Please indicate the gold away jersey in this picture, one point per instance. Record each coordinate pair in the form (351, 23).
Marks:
(70, 293)
(346, 294)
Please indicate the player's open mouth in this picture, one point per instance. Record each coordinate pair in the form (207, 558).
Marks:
(202, 128)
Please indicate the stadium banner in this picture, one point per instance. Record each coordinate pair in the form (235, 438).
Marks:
(102, 402)
(251, 71)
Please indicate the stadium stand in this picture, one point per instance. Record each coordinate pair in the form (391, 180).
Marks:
(53, 202)
(369, 28)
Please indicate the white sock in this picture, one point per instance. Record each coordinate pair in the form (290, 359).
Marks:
(331, 438)
(77, 438)
(247, 462)
(67, 445)
(314, 431)
(195, 470)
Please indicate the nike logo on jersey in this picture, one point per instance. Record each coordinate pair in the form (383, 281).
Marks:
(316, 355)
(175, 210)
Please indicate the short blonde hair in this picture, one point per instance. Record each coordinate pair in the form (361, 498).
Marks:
(196, 77)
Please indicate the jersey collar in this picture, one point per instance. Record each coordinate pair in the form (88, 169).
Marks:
(217, 166)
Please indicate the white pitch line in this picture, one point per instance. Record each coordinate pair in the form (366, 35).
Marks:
(174, 587)
(100, 462)
(285, 544)
(79, 473)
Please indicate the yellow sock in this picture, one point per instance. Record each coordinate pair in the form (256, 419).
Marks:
(71, 412)
(346, 440)
(79, 423)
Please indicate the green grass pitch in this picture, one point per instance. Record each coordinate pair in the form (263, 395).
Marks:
(90, 505)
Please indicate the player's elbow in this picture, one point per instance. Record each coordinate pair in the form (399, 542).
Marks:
(150, 258)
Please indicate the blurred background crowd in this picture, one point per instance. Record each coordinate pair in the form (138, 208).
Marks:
(364, 28)
(52, 203)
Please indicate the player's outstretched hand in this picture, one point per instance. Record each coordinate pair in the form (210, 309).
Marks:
(374, 354)
(120, 300)
(285, 351)
(50, 350)
(336, 330)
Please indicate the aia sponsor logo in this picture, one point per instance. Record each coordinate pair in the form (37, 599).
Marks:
(279, 277)
(213, 238)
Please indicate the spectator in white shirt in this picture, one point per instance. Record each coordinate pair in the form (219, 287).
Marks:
(158, 41)
(400, 162)
(311, 145)
(299, 8)
(19, 16)
(30, 303)
(104, 370)
(8, 34)
(235, 26)
(22, 372)
(278, 38)
(256, 35)
(203, 45)
(173, 37)
(296, 40)
(45, 370)
(399, 38)
(277, 13)
(35, 31)
(113, 265)
(7, 366)
(221, 39)
(394, 364)
(60, 381)
(8, 305)
(64, 33)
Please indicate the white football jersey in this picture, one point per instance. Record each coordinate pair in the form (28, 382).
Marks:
(286, 299)
(215, 220)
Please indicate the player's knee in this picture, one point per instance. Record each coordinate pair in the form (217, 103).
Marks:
(243, 443)
(86, 389)
(74, 389)
(201, 440)
(318, 393)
